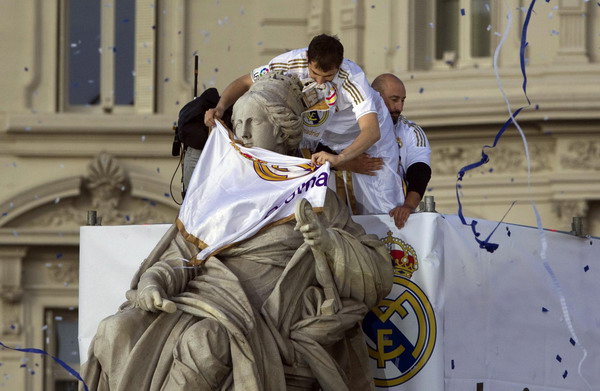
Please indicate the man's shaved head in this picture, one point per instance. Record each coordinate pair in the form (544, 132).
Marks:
(393, 92)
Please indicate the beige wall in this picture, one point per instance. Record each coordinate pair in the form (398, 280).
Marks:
(52, 174)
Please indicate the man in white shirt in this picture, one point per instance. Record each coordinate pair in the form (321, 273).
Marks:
(355, 122)
(414, 150)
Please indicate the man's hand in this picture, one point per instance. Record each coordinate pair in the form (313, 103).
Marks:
(211, 116)
(322, 157)
(401, 214)
(363, 164)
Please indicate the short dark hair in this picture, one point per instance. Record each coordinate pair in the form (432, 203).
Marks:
(326, 51)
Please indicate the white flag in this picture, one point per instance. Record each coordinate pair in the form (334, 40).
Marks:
(235, 191)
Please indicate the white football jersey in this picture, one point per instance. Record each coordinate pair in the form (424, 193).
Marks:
(412, 144)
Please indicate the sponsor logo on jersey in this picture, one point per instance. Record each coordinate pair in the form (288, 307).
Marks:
(314, 118)
(259, 72)
(401, 330)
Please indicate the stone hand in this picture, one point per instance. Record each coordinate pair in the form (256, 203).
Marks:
(151, 297)
(315, 234)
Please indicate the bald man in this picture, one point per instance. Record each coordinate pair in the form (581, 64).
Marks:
(413, 147)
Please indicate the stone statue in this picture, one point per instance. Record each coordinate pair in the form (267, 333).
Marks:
(281, 310)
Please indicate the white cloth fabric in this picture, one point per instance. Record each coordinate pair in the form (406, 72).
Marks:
(258, 188)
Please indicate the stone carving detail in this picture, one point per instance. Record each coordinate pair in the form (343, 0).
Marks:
(502, 159)
(63, 273)
(566, 210)
(448, 160)
(581, 155)
(105, 188)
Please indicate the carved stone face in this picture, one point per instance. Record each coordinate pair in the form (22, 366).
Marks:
(252, 125)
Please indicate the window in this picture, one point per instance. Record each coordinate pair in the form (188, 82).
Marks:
(452, 34)
(100, 61)
(61, 342)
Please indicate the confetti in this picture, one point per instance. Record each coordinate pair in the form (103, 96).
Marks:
(421, 90)
(565, 374)
(544, 309)
(554, 32)
(586, 268)
(59, 255)
(558, 358)
(452, 364)
(462, 12)
(572, 341)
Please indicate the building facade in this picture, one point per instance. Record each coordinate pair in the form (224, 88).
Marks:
(91, 90)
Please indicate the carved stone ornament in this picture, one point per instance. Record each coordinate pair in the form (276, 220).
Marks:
(106, 189)
(582, 155)
(63, 273)
(502, 159)
(566, 210)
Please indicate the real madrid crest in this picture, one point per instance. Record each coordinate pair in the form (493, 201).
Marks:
(401, 330)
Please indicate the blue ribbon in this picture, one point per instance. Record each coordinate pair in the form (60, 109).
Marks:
(73, 372)
(485, 244)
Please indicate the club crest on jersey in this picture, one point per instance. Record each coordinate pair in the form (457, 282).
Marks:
(274, 172)
(401, 330)
(399, 141)
(315, 117)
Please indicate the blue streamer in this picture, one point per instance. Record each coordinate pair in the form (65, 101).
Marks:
(524, 44)
(486, 244)
(73, 372)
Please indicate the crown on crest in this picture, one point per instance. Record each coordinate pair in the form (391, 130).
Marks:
(403, 255)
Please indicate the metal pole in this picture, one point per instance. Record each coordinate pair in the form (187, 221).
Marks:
(577, 226)
(428, 204)
(92, 217)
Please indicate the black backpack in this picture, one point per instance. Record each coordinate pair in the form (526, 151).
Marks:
(191, 130)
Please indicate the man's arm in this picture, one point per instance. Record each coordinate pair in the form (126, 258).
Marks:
(369, 135)
(417, 177)
(230, 95)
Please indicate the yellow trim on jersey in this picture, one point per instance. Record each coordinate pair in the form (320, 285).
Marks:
(350, 87)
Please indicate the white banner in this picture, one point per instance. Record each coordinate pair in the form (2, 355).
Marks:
(258, 187)
(405, 331)
(514, 320)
